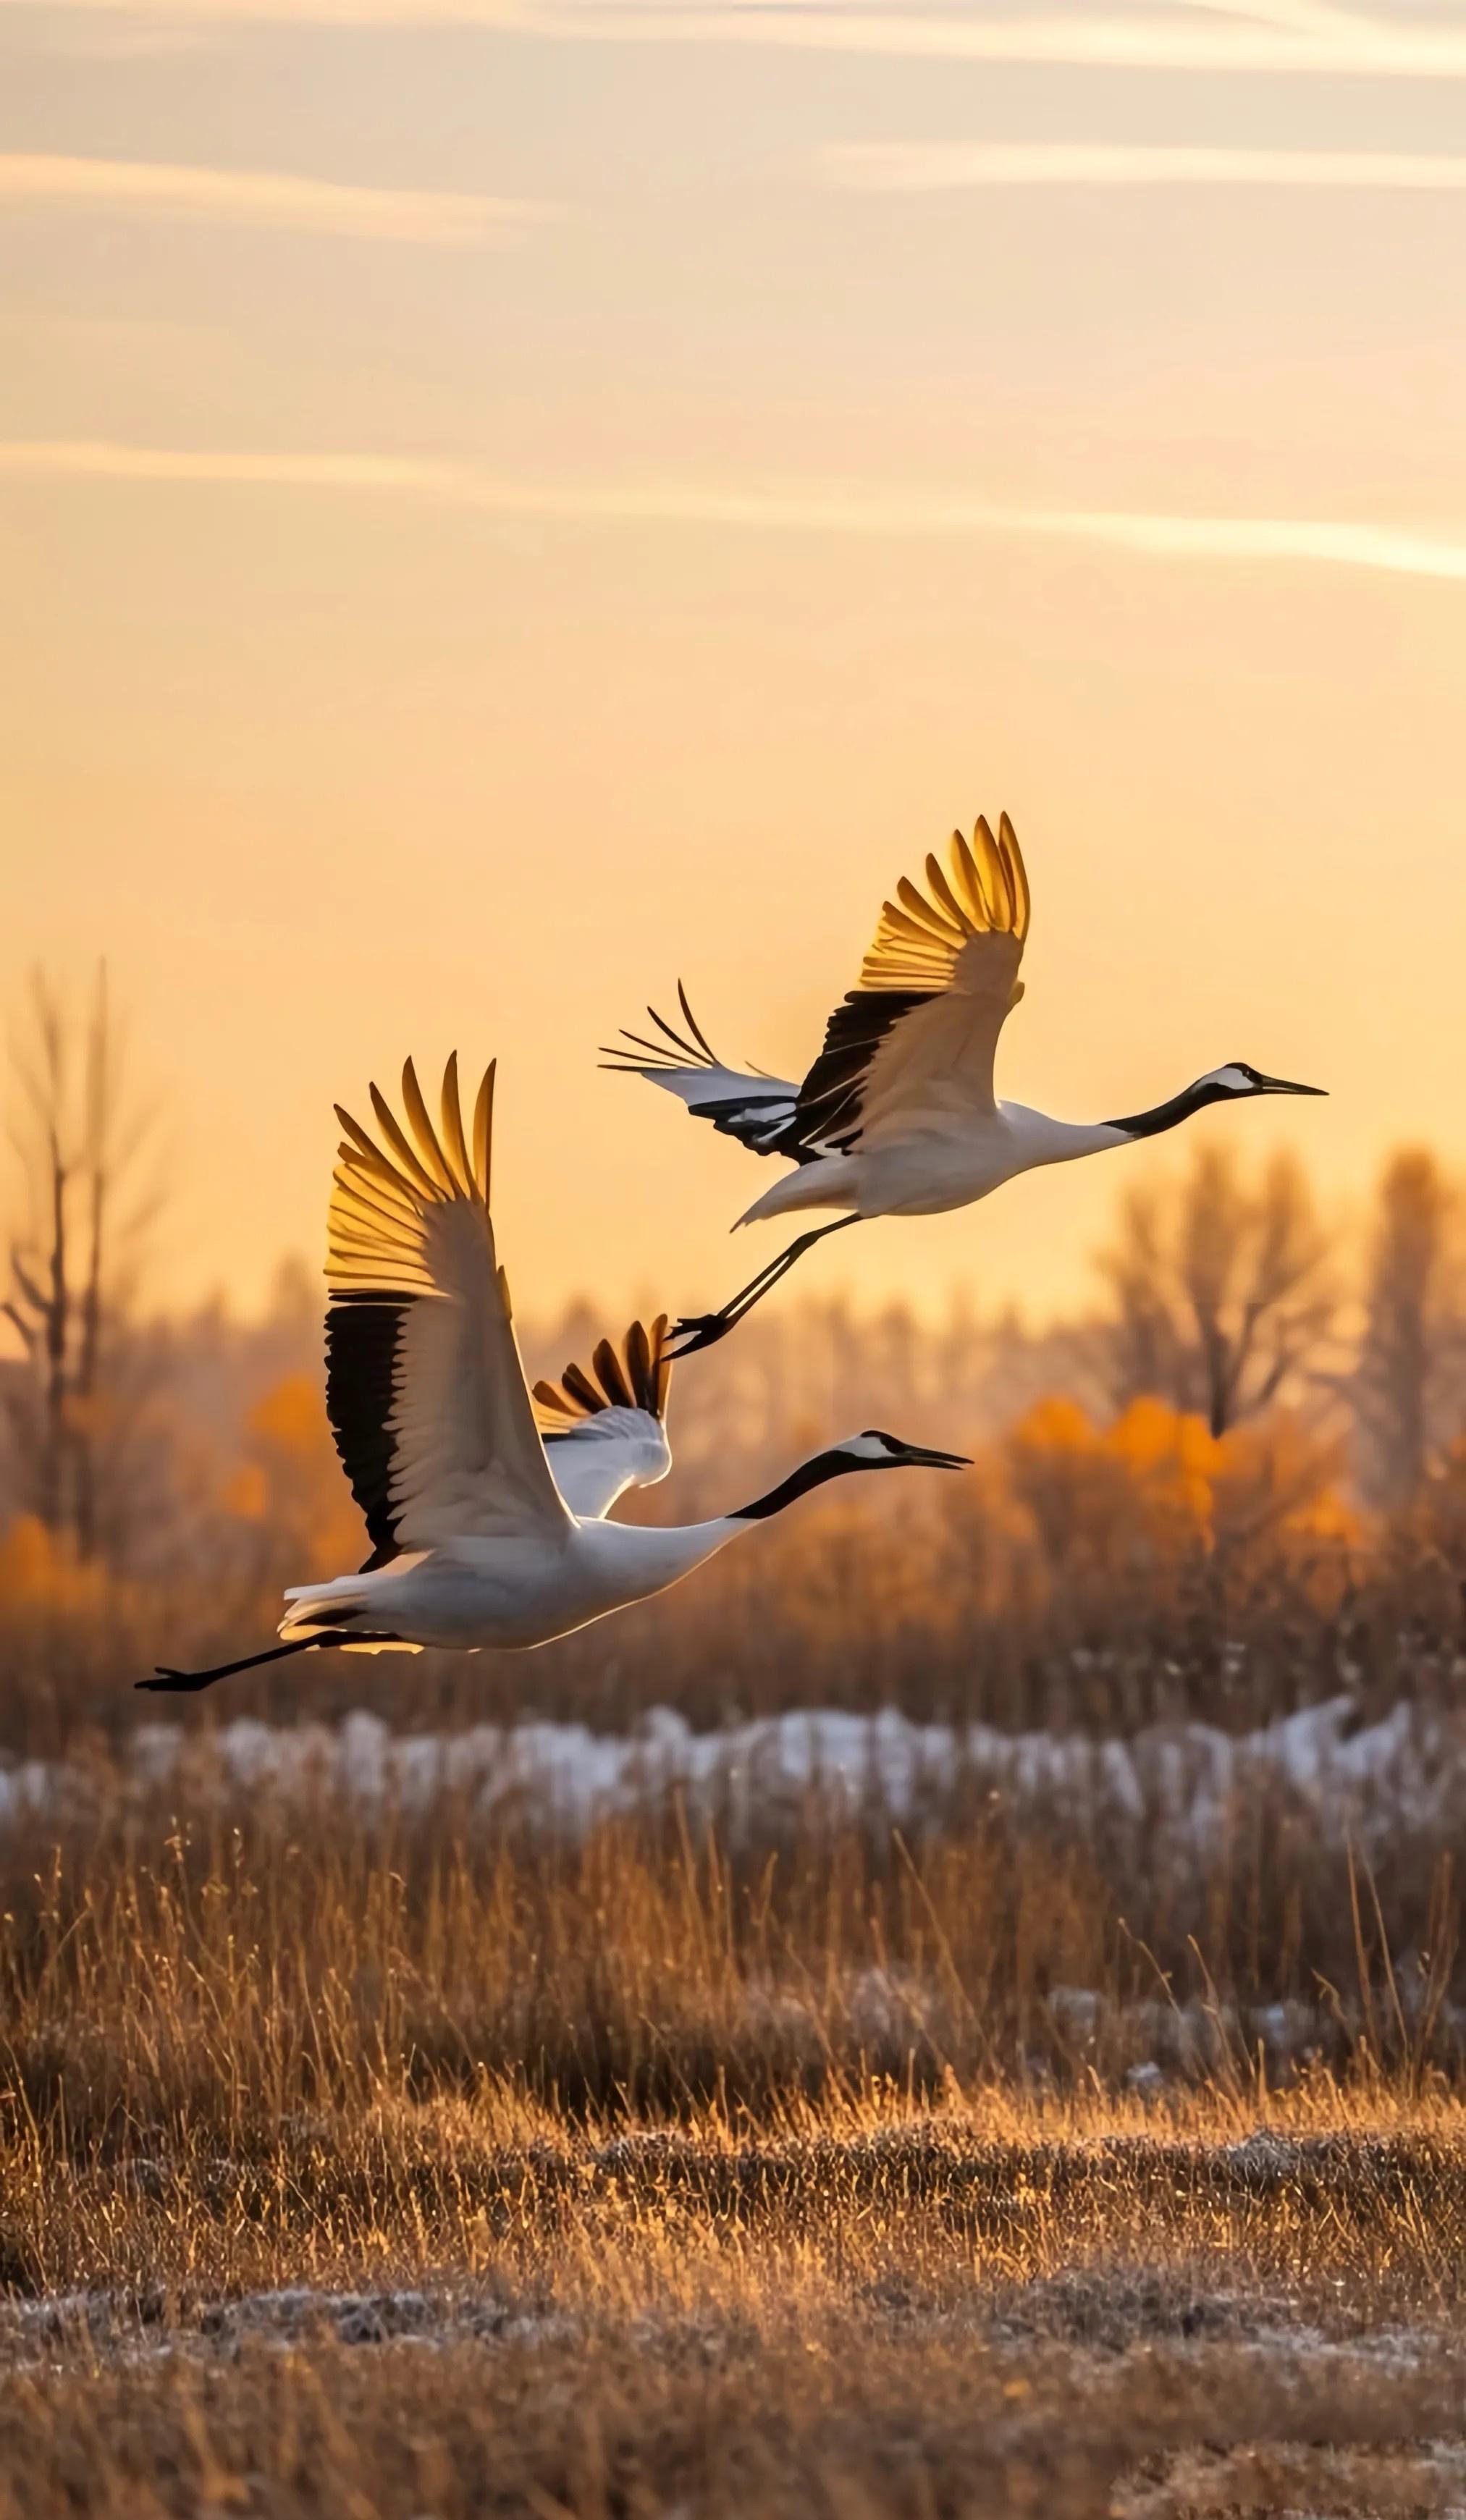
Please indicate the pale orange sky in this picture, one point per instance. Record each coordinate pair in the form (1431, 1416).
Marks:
(500, 505)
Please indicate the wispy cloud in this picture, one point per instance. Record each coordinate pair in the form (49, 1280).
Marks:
(941, 166)
(254, 200)
(859, 509)
(1285, 36)
(1315, 40)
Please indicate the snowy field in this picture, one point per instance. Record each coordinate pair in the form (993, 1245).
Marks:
(1177, 1787)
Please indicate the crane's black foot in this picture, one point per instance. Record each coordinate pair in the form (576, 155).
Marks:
(700, 1331)
(165, 1677)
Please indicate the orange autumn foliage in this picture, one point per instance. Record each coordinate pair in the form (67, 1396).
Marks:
(41, 1571)
(1279, 1480)
(1156, 1487)
(290, 1482)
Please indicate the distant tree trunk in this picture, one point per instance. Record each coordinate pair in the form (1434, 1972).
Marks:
(39, 1303)
(98, 1160)
(1412, 1343)
(66, 1272)
(1222, 1302)
(57, 1331)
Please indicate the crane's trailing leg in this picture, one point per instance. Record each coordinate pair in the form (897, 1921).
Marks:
(179, 1681)
(704, 1330)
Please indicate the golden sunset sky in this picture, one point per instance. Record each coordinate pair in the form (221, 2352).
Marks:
(503, 505)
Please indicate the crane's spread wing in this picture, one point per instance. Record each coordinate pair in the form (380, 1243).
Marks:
(605, 1430)
(914, 1041)
(423, 1385)
(756, 1109)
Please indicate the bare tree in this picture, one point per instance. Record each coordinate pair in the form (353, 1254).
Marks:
(82, 1144)
(1222, 1293)
(1407, 1385)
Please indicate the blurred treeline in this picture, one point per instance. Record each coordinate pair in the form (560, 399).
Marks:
(1236, 1483)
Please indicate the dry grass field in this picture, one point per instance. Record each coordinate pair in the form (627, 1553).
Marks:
(395, 2166)
(465, 2306)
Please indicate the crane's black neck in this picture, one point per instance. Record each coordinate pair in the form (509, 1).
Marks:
(1182, 1106)
(810, 1474)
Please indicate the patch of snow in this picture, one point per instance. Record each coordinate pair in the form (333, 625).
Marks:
(1076, 2010)
(1170, 1788)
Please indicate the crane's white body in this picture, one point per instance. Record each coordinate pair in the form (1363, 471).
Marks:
(524, 1587)
(931, 1168)
(520, 1590)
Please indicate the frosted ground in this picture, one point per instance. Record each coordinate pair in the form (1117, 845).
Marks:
(1224, 2374)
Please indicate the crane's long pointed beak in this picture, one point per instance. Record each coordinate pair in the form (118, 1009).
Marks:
(1280, 1085)
(927, 1460)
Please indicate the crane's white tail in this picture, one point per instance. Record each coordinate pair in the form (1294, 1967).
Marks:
(833, 1182)
(344, 1603)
